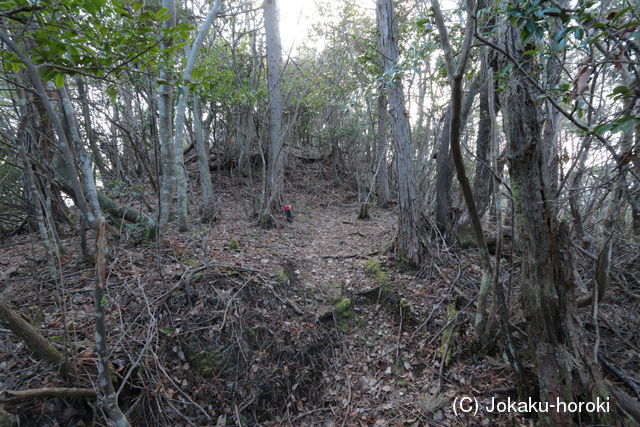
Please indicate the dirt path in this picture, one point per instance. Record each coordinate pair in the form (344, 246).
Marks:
(324, 247)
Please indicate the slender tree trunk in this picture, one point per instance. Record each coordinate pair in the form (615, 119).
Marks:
(382, 169)
(446, 217)
(88, 126)
(409, 244)
(614, 204)
(553, 69)
(109, 396)
(39, 199)
(86, 170)
(165, 128)
(382, 172)
(63, 142)
(274, 185)
(635, 192)
(202, 148)
(181, 171)
(42, 211)
(482, 180)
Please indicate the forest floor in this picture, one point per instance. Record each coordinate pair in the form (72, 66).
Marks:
(310, 323)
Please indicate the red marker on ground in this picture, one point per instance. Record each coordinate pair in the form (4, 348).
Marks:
(288, 212)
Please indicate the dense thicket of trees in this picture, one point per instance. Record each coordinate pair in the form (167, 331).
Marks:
(493, 119)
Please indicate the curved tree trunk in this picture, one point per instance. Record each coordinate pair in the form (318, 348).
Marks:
(181, 171)
(92, 214)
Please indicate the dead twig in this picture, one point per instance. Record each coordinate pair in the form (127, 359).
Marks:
(313, 411)
(46, 392)
(284, 300)
(346, 417)
(629, 381)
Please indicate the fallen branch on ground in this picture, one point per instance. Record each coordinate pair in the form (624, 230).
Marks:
(629, 381)
(46, 392)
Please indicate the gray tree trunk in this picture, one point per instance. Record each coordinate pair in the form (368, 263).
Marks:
(202, 148)
(382, 170)
(446, 218)
(181, 171)
(165, 130)
(63, 142)
(274, 185)
(547, 284)
(88, 126)
(86, 171)
(409, 244)
(484, 141)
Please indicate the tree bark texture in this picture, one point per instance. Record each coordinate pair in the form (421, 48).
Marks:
(409, 244)
(274, 185)
(165, 129)
(382, 172)
(564, 366)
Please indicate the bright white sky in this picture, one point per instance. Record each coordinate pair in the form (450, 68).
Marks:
(296, 17)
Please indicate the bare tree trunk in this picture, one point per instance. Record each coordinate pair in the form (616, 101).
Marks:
(42, 211)
(274, 185)
(553, 70)
(614, 204)
(181, 172)
(38, 199)
(446, 217)
(63, 142)
(88, 126)
(635, 192)
(167, 146)
(456, 107)
(409, 244)
(109, 396)
(202, 148)
(565, 367)
(482, 179)
(86, 171)
(382, 169)
(382, 172)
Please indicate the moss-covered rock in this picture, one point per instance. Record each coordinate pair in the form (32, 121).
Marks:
(343, 312)
(445, 350)
(374, 270)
